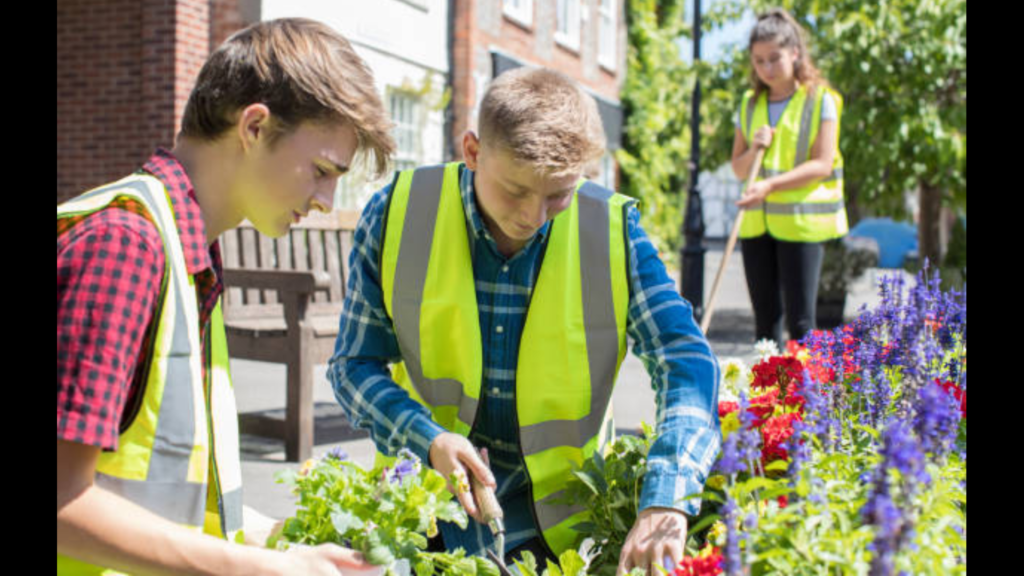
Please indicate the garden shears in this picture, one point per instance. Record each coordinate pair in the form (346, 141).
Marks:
(494, 517)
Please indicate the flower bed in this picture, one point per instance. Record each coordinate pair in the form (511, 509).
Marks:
(845, 455)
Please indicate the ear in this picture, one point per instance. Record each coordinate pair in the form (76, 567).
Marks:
(253, 125)
(471, 150)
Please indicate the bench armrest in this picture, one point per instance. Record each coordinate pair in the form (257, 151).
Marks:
(303, 282)
(294, 288)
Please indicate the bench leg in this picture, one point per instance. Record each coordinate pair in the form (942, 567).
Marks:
(299, 412)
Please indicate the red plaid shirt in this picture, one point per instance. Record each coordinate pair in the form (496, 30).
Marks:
(110, 266)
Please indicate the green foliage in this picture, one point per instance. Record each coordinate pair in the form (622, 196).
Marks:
(656, 133)
(570, 563)
(386, 513)
(821, 530)
(610, 486)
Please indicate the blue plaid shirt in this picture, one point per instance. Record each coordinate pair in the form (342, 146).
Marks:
(683, 370)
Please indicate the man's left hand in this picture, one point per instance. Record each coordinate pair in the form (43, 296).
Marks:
(658, 537)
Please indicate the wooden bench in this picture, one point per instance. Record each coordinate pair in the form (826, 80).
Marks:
(282, 303)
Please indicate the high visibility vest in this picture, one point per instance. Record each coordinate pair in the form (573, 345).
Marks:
(179, 457)
(572, 344)
(815, 212)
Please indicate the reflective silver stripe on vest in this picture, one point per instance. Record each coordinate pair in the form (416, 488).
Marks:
(599, 323)
(765, 173)
(804, 208)
(166, 490)
(179, 502)
(806, 120)
(232, 512)
(407, 295)
(550, 514)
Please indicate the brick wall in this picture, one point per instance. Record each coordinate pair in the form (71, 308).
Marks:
(480, 26)
(125, 69)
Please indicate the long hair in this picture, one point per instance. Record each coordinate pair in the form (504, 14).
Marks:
(780, 27)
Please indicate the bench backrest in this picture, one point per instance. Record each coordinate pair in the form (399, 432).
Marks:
(318, 242)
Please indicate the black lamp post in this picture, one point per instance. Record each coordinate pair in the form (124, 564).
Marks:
(692, 273)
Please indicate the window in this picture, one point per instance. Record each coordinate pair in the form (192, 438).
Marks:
(608, 34)
(520, 11)
(567, 25)
(405, 112)
(348, 192)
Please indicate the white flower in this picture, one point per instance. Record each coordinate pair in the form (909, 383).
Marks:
(766, 348)
(735, 378)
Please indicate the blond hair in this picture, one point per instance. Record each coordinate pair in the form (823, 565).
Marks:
(543, 118)
(301, 70)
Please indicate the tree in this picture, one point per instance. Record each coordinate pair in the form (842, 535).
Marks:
(656, 134)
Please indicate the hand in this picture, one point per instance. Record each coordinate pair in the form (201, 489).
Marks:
(659, 536)
(259, 529)
(327, 559)
(452, 454)
(763, 137)
(755, 194)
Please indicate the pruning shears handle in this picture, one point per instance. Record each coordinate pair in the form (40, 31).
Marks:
(492, 515)
(487, 501)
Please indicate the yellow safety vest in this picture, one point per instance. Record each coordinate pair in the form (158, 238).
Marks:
(815, 212)
(179, 457)
(572, 344)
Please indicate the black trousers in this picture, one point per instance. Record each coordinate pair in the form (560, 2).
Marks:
(782, 276)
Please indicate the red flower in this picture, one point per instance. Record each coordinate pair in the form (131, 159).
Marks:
(775, 432)
(794, 347)
(850, 346)
(777, 370)
(725, 408)
(703, 565)
(763, 406)
(959, 393)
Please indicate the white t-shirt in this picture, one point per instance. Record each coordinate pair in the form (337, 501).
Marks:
(775, 110)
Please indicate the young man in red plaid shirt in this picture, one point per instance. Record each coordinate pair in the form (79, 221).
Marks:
(277, 114)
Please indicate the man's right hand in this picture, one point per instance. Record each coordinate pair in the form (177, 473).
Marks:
(454, 455)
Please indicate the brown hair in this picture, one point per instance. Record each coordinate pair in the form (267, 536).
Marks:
(301, 70)
(780, 27)
(544, 118)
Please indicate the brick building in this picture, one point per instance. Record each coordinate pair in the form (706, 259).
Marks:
(125, 68)
(584, 39)
(124, 72)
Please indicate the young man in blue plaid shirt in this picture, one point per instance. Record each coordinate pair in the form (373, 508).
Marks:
(538, 130)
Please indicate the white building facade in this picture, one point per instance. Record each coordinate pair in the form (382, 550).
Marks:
(405, 43)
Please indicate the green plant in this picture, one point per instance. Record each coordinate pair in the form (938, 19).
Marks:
(386, 513)
(610, 486)
(843, 263)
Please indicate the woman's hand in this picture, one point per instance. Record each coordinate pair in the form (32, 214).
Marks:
(763, 137)
(755, 194)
